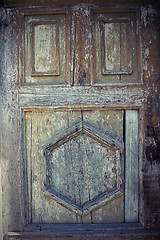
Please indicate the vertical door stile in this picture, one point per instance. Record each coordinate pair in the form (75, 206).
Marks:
(82, 47)
(131, 166)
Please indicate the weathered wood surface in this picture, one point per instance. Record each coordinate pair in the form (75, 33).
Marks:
(45, 47)
(79, 96)
(100, 44)
(122, 96)
(73, 168)
(115, 61)
(82, 47)
(9, 128)
(89, 234)
(46, 56)
(131, 166)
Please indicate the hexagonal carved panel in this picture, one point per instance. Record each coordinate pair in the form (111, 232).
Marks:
(82, 168)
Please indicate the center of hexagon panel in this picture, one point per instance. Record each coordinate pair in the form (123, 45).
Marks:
(80, 168)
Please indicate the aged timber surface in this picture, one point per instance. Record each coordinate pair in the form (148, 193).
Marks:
(81, 232)
(77, 96)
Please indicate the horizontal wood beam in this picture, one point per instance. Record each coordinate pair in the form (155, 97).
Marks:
(55, 3)
(80, 97)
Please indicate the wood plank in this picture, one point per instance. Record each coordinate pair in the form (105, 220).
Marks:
(87, 97)
(109, 235)
(131, 166)
(82, 46)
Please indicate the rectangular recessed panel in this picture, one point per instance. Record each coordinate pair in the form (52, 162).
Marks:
(111, 47)
(45, 53)
(116, 47)
(116, 57)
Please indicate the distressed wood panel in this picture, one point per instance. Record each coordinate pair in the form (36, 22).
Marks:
(111, 121)
(115, 47)
(82, 47)
(45, 55)
(46, 49)
(82, 169)
(44, 126)
(115, 35)
(131, 166)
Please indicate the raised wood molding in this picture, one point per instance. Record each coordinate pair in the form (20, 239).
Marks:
(59, 73)
(112, 147)
(129, 53)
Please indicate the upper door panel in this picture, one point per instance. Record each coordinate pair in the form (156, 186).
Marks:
(116, 48)
(46, 54)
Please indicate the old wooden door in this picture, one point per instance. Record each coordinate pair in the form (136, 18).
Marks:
(80, 100)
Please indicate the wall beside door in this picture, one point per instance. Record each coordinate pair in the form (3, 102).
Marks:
(11, 167)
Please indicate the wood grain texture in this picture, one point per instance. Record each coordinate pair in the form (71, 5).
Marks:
(109, 234)
(81, 173)
(131, 166)
(126, 96)
(82, 47)
(44, 49)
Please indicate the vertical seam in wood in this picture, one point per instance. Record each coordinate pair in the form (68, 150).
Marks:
(1, 228)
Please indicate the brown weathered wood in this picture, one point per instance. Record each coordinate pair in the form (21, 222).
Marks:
(82, 51)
